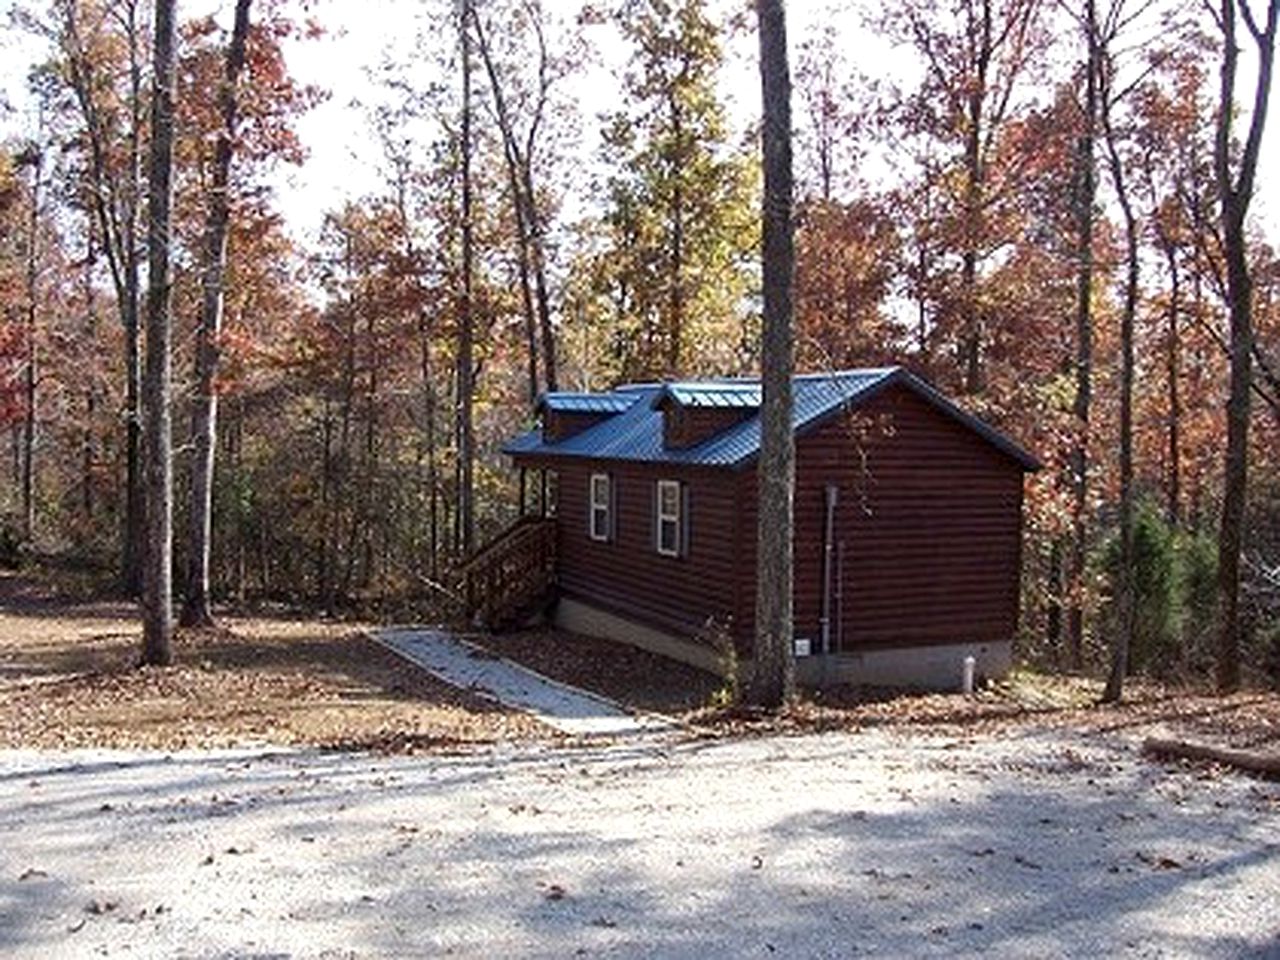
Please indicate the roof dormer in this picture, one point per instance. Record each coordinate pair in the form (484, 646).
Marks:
(694, 412)
(565, 415)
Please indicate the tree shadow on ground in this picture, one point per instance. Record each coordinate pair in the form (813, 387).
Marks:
(812, 848)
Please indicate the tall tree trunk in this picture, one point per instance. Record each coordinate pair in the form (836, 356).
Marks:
(135, 494)
(1173, 391)
(369, 481)
(542, 297)
(324, 575)
(530, 261)
(204, 406)
(675, 322)
(238, 567)
(1086, 189)
(466, 362)
(157, 610)
(31, 372)
(1123, 641)
(773, 675)
(115, 199)
(429, 440)
(91, 386)
(972, 335)
(523, 263)
(1235, 192)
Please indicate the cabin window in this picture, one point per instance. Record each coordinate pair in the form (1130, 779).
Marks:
(601, 508)
(670, 518)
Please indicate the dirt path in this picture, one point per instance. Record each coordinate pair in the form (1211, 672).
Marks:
(842, 845)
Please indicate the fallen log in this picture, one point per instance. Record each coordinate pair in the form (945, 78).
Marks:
(1267, 764)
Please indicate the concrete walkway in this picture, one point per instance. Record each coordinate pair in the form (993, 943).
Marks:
(560, 706)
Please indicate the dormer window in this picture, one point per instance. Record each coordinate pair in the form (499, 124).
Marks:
(600, 512)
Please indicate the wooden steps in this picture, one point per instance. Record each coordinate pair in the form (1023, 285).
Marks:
(512, 577)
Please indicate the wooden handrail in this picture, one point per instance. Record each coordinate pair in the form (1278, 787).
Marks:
(519, 529)
(512, 572)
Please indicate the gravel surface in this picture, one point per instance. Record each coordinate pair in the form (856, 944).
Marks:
(1035, 843)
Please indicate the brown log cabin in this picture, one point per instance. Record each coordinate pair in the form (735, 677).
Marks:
(908, 526)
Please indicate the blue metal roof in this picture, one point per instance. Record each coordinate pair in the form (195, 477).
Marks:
(635, 432)
(729, 394)
(563, 402)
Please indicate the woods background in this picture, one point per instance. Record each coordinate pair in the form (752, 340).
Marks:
(1034, 222)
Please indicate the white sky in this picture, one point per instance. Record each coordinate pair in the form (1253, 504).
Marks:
(343, 155)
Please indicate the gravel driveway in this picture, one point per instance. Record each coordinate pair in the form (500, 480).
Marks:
(1036, 844)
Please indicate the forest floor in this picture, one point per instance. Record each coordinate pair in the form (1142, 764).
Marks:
(1247, 720)
(69, 678)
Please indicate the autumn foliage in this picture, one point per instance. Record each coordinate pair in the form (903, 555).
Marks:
(939, 223)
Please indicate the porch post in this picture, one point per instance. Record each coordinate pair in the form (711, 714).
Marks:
(542, 492)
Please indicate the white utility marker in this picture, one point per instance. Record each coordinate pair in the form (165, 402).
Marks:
(558, 705)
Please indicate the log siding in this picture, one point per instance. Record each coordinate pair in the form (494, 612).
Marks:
(927, 533)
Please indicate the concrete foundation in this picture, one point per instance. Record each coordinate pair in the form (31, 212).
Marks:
(580, 617)
(933, 667)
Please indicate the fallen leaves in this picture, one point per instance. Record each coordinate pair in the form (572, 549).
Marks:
(1159, 861)
(71, 680)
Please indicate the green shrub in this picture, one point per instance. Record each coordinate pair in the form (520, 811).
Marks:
(1157, 609)
(1175, 595)
(1198, 586)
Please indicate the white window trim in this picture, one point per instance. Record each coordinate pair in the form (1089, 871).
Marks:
(661, 517)
(596, 508)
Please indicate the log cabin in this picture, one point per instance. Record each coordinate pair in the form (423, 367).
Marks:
(908, 527)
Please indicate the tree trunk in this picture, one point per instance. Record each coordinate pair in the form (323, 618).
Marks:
(135, 496)
(1173, 373)
(1235, 192)
(975, 175)
(31, 372)
(537, 251)
(675, 322)
(369, 482)
(1266, 764)
(530, 261)
(466, 362)
(1085, 199)
(157, 612)
(204, 407)
(324, 575)
(91, 386)
(1127, 605)
(772, 677)
(429, 440)
(114, 200)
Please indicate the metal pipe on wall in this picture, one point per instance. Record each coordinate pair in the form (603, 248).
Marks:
(831, 496)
